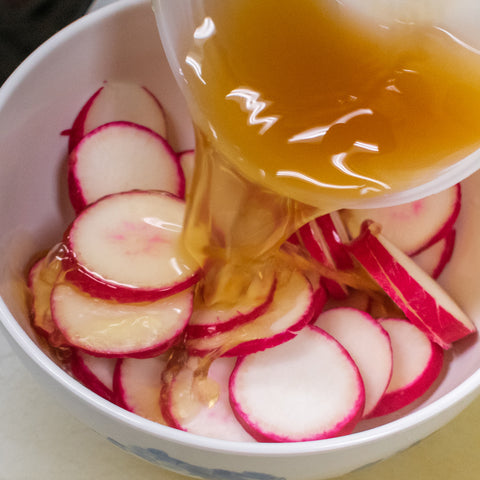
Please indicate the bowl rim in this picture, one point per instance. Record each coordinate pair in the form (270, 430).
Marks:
(15, 333)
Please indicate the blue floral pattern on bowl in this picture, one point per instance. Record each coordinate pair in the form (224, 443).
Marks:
(162, 459)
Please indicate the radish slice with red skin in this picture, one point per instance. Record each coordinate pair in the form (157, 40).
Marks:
(118, 157)
(367, 343)
(118, 101)
(421, 298)
(137, 386)
(306, 389)
(414, 226)
(210, 320)
(316, 244)
(335, 236)
(96, 373)
(191, 414)
(417, 362)
(320, 296)
(127, 247)
(291, 309)
(187, 162)
(435, 258)
(111, 329)
(40, 282)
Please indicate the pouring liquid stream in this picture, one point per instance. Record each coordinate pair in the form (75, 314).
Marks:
(302, 108)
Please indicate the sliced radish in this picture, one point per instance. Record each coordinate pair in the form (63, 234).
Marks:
(209, 320)
(111, 329)
(96, 373)
(320, 296)
(305, 389)
(316, 244)
(414, 226)
(368, 344)
(290, 310)
(137, 385)
(417, 362)
(436, 257)
(41, 279)
(336, 236)
(116, 101)
(187, 162)
(193, 414)
(421, 299)
(128, 247)
(118, 157)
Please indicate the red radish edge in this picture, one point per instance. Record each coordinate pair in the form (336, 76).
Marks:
(388, 267)
(247, 347)
(343, 427)
(368, 344)
(75, 191)
(449, 224)
(312, 236)
(201, 330)
(84, 375)
(442, 260)
(137, 386)
(77, 130)
(142, 350)
(96, 286)
(397, 399)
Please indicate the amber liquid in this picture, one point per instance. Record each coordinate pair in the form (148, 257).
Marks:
(301, 107)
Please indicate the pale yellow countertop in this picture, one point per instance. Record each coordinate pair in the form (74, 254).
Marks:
(39, 440)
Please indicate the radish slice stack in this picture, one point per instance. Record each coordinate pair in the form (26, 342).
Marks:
(118, 101)
(368, 344)
(354, 330)
(414, 226)
(188, 412)
(306, 389)
(94, 372)
(118, 157)
(137, 384)
(417, 362)
(127, 247)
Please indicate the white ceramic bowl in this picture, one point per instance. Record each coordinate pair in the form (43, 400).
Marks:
(39, 101)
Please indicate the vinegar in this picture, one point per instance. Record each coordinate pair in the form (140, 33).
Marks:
(303, 107)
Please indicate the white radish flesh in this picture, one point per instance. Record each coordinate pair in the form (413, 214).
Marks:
(119, 101)
(209, 320)
(138, 383)
(111, 329)
(335, 235)
(118, 157)
(195, 415)
(314, 241)
(414, 226)
(420, 297)
(305, 389)
(128, 247)
(291, 309)
(436, 257)
(41, 278)
(96, 373)
(367, 343)
(417, 362)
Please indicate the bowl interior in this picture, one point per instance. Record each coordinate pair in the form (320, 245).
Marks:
(40, 101)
